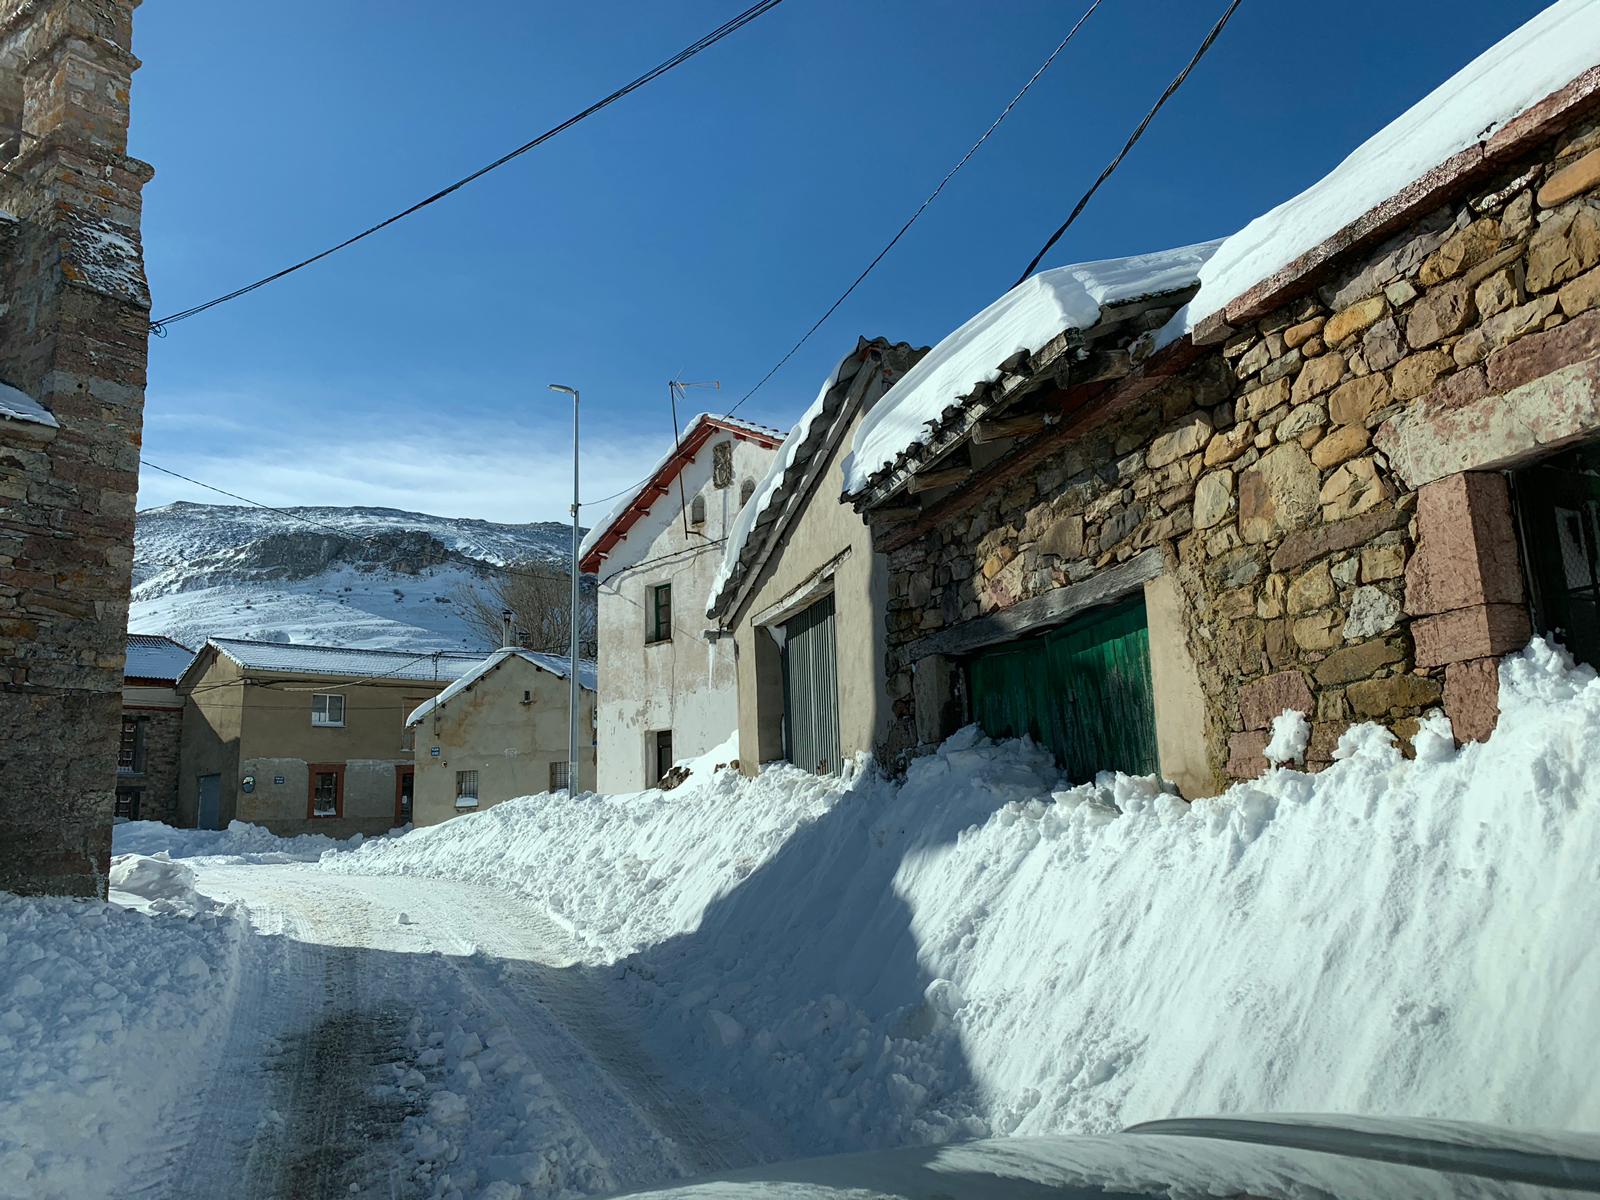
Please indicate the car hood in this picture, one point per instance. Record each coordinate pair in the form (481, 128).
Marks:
(1266, 1156)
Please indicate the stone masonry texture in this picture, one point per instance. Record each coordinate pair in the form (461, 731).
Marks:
(74, 313)
(157, 776)
(1310, 577)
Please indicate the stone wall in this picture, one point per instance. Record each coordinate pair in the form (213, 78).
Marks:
(1332, 558)
(73, 327)
(157, 778)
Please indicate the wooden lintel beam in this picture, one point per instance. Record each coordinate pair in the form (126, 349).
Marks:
(927, 481)
(895, 512)
(1011, 427)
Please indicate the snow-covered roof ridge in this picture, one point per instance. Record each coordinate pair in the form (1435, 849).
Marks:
(155, 656)
(768, 502)
(636, 501)
(1535, 61)
(1023, 321)
(17, 405)
(556, 664)
(345, 662)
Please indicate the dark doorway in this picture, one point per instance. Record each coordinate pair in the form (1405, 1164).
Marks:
(405, 782)
(661, 747)
(1558, 511)
(208, 814)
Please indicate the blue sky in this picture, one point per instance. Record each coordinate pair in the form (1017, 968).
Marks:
(692, 231)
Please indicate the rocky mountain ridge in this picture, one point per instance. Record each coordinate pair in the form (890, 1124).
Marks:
(354, 576)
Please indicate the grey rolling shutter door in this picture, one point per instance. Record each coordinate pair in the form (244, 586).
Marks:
(811, 689)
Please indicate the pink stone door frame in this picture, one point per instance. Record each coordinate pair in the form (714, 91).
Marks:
(1465, 593)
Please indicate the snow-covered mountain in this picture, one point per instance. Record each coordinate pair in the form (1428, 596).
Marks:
(375, 577)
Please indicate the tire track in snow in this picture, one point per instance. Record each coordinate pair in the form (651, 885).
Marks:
(289, 1110)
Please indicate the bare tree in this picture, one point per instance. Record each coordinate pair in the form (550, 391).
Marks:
(538, 598)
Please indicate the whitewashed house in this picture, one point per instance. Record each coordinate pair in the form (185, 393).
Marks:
(665, 691)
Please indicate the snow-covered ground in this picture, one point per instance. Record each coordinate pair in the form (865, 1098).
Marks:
(983, 950)
(561, 997)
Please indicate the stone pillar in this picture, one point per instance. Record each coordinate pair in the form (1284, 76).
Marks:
(74, 311)
(937, 700)
(1464, 589)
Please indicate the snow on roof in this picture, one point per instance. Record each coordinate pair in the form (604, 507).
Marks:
(340, 662)
(1503, 82)
(556, 664)
(636, 502)
(1025, 319)
(796, 454)
(151, 656)
(19, 406)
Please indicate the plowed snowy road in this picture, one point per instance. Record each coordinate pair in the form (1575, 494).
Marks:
(364, 983)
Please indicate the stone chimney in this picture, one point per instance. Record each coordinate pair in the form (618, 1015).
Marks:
(508, 636)
(74, 316)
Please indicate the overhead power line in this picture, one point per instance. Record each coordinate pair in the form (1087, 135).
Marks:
(1138, 133)
(733, 25)
(923, 207)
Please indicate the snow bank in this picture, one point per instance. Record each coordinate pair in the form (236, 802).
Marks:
(240, 840)
(618, 872)
(1026, 318)
(981, 950)
(152, 879)
(1506, 80)
(105, 1014)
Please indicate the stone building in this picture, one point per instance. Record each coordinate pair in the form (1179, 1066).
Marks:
(1345, 491)
(152, 728)
(74, 313)
(304, 739)
(666, 693)
(499, 732)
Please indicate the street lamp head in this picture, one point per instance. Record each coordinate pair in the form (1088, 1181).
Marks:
(561, 387)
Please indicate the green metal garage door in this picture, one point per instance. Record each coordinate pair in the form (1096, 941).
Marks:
(1083, 690)
(811, 689)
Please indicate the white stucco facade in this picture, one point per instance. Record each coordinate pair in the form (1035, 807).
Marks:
(681, 684)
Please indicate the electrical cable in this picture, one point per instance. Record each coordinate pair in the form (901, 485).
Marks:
(921, 208)
(1138, 133)
(733, 25)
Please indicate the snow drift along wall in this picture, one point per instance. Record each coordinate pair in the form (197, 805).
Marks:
(977, 950)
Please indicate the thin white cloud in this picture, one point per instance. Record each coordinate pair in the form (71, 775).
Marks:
(434, 462)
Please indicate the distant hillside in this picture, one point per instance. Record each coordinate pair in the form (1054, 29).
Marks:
(387, 578)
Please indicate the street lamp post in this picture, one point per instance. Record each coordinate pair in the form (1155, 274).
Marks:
(572, 665)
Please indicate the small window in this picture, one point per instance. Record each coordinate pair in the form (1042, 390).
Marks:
(327, 710)
(697, 511)
(663, 753)
(466, 789)
(558, 776)
(746, 490)
(660, 623)
(327, 791)
(130, 750)
(128, 803)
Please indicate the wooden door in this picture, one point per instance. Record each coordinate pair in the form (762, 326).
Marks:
(1083, 690)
